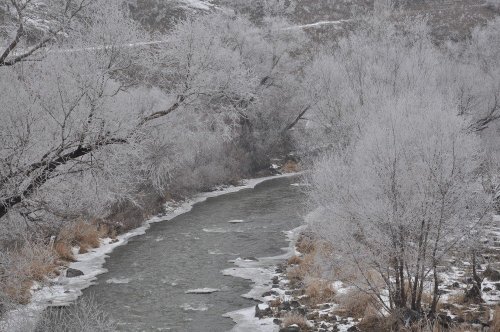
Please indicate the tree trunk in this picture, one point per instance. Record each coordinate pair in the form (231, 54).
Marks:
(435, 293)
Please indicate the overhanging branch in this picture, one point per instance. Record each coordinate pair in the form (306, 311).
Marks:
(46, 168)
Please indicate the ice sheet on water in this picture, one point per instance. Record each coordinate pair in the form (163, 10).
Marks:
(202, 290)
(246, 322)
(118, 281)
(236, 221)
(194, 307)
(215, 230)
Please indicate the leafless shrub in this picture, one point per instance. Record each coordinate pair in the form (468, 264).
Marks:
(295, 319)
(84, 315)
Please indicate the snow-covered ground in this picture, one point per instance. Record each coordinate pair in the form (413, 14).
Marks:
(63, 291)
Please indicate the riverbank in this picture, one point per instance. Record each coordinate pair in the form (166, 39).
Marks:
(306, 295)
(64, 290)
(261, 272)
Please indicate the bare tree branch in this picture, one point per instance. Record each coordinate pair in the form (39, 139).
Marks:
(46, 168)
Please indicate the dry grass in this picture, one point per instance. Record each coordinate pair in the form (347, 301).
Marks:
(377, 323)
(290, 167)
(18, 292)
(294, 260)
(481, 313)
(295, 319)
(306, 268)
(83, 315)
(80, 233)
(466, 328)
(305, 243)
(104, 230)
(128, 215)
(319, 291)
(38, 260)
(276, 302)
(457, 298)
(34, 261)
(64, 251)
(39, 270)
(427, 300)
(495, 322)
(354, 303)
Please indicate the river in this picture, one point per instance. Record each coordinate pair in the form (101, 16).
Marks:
(145, 288)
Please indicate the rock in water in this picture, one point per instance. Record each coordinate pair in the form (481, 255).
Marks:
(71, 273)
(291, 328)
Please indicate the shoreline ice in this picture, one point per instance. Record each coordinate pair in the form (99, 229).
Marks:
(63, 291)
(260, 272)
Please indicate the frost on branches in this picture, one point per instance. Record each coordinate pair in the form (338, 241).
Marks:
(404, 185)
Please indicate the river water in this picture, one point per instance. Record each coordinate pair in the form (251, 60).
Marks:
(145, 288)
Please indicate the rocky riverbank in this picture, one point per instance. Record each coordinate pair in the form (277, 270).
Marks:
(302, 298)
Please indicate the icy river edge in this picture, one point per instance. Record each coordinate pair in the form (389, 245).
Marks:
(63, 291)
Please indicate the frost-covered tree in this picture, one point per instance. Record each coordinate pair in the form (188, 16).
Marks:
(30, 27)
(58, 109)
(402, 182)
(91, 123)
(353, 78)
(398, 200)
(237, 73)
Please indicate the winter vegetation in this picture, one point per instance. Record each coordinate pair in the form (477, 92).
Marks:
(408, 177)
(111, 108)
